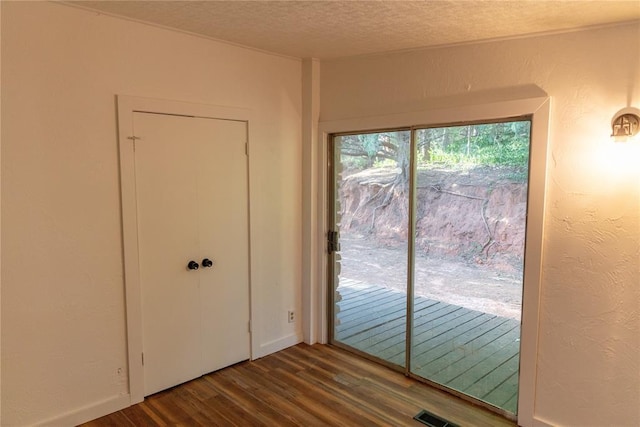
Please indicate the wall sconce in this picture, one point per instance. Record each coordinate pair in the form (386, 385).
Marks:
(625, 127)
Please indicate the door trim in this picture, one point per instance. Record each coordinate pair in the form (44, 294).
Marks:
(538, 107)
(127, 105)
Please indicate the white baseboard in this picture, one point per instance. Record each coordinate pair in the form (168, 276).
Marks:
(538, 422)
(89, 412)
(279, 344)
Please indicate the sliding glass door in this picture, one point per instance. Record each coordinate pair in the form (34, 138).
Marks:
(370, 216)
(427, 248)
(471, 202)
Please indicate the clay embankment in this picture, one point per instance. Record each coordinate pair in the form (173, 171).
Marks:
(470, 229)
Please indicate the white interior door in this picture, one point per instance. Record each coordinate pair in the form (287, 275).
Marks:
(223, 226)
(192, 204)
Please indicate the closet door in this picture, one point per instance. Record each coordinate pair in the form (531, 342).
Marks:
(223, 229)
(192, 206)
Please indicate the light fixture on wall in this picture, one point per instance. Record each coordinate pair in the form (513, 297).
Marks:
(625, 127)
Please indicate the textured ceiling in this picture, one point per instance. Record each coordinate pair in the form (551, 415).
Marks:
(330, 29)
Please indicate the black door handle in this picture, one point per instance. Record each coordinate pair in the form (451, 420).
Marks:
(192, 265)
(207, 262)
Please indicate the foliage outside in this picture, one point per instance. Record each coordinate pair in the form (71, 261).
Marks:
(493, 144)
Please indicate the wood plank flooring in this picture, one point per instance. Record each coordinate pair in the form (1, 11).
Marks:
(301, 386)
(470, 351)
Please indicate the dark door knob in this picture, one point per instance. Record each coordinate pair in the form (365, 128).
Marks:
(192, 265)
(207, 262)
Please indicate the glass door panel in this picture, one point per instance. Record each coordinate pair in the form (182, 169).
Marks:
(462, 192)
(471, 204)
(370, 240)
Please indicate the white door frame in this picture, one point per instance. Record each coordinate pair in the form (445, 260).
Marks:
(538, 107)
(127, 105)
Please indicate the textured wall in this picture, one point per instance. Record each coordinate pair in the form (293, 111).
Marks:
(63, 322)
(589, 348)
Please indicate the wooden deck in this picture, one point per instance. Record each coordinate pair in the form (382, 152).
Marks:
(470, 351)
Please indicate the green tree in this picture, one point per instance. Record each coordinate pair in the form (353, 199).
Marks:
(503, 144)
(377, 147)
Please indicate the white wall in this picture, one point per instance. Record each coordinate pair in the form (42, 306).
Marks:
(589, 344)
(0, 223)
(63, 323)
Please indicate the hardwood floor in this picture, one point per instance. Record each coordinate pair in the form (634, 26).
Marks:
(301, 386)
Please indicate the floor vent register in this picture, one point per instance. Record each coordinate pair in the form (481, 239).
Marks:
(432, 420)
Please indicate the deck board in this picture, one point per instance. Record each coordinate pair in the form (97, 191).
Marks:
(392, 328)
(365, 308)
(384, 313)
(394, 347)
(444, 369)
(467, 350)
(451, 348)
